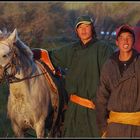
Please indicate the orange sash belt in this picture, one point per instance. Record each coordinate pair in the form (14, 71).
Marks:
(82, 101)
(125, 118)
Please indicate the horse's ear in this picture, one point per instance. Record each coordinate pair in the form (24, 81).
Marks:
(13, 36)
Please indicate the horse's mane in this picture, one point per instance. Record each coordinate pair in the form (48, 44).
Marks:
(24, 49)
(25, 55)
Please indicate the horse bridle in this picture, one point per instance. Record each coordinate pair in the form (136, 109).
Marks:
(10, 64)
(10, 78)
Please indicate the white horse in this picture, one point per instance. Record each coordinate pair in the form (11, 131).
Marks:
(31, 99)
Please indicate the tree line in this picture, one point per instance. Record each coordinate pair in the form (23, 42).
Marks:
(46, 24)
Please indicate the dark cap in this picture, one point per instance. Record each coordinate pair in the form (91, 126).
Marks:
(83, 19)
(125, 28)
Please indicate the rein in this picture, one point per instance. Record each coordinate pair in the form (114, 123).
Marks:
(16, 80)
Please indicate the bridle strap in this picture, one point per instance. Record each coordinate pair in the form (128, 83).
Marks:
(25, 78)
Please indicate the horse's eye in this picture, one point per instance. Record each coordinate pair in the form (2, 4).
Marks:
(4, 55)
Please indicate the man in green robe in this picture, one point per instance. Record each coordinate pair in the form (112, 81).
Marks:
(82, 61)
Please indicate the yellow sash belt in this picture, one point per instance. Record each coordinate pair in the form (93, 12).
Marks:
(124, 118)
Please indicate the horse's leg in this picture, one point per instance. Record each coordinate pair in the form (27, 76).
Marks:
(17, 130)
(40, 129)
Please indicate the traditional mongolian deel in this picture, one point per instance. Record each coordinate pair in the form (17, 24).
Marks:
(82, 76)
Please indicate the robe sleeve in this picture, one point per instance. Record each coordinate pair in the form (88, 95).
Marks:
(59, 57)
(102, 97)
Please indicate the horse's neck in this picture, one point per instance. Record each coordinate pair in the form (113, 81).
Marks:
(23, 79)
(24, 72)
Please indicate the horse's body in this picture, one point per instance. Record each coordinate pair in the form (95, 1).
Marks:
(30, 100)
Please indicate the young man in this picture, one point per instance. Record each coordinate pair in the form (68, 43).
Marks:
(118, 94)
(83, 61)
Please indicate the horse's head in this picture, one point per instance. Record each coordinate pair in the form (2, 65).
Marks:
(11, 48)
(6, 52)
(6, 47)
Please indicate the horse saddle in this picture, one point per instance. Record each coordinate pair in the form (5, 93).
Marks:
(42, 54)
(44, 62)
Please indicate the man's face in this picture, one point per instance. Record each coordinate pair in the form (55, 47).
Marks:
(125, 42)
(84, 32)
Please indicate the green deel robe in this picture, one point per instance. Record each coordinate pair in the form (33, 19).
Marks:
(83, 70)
